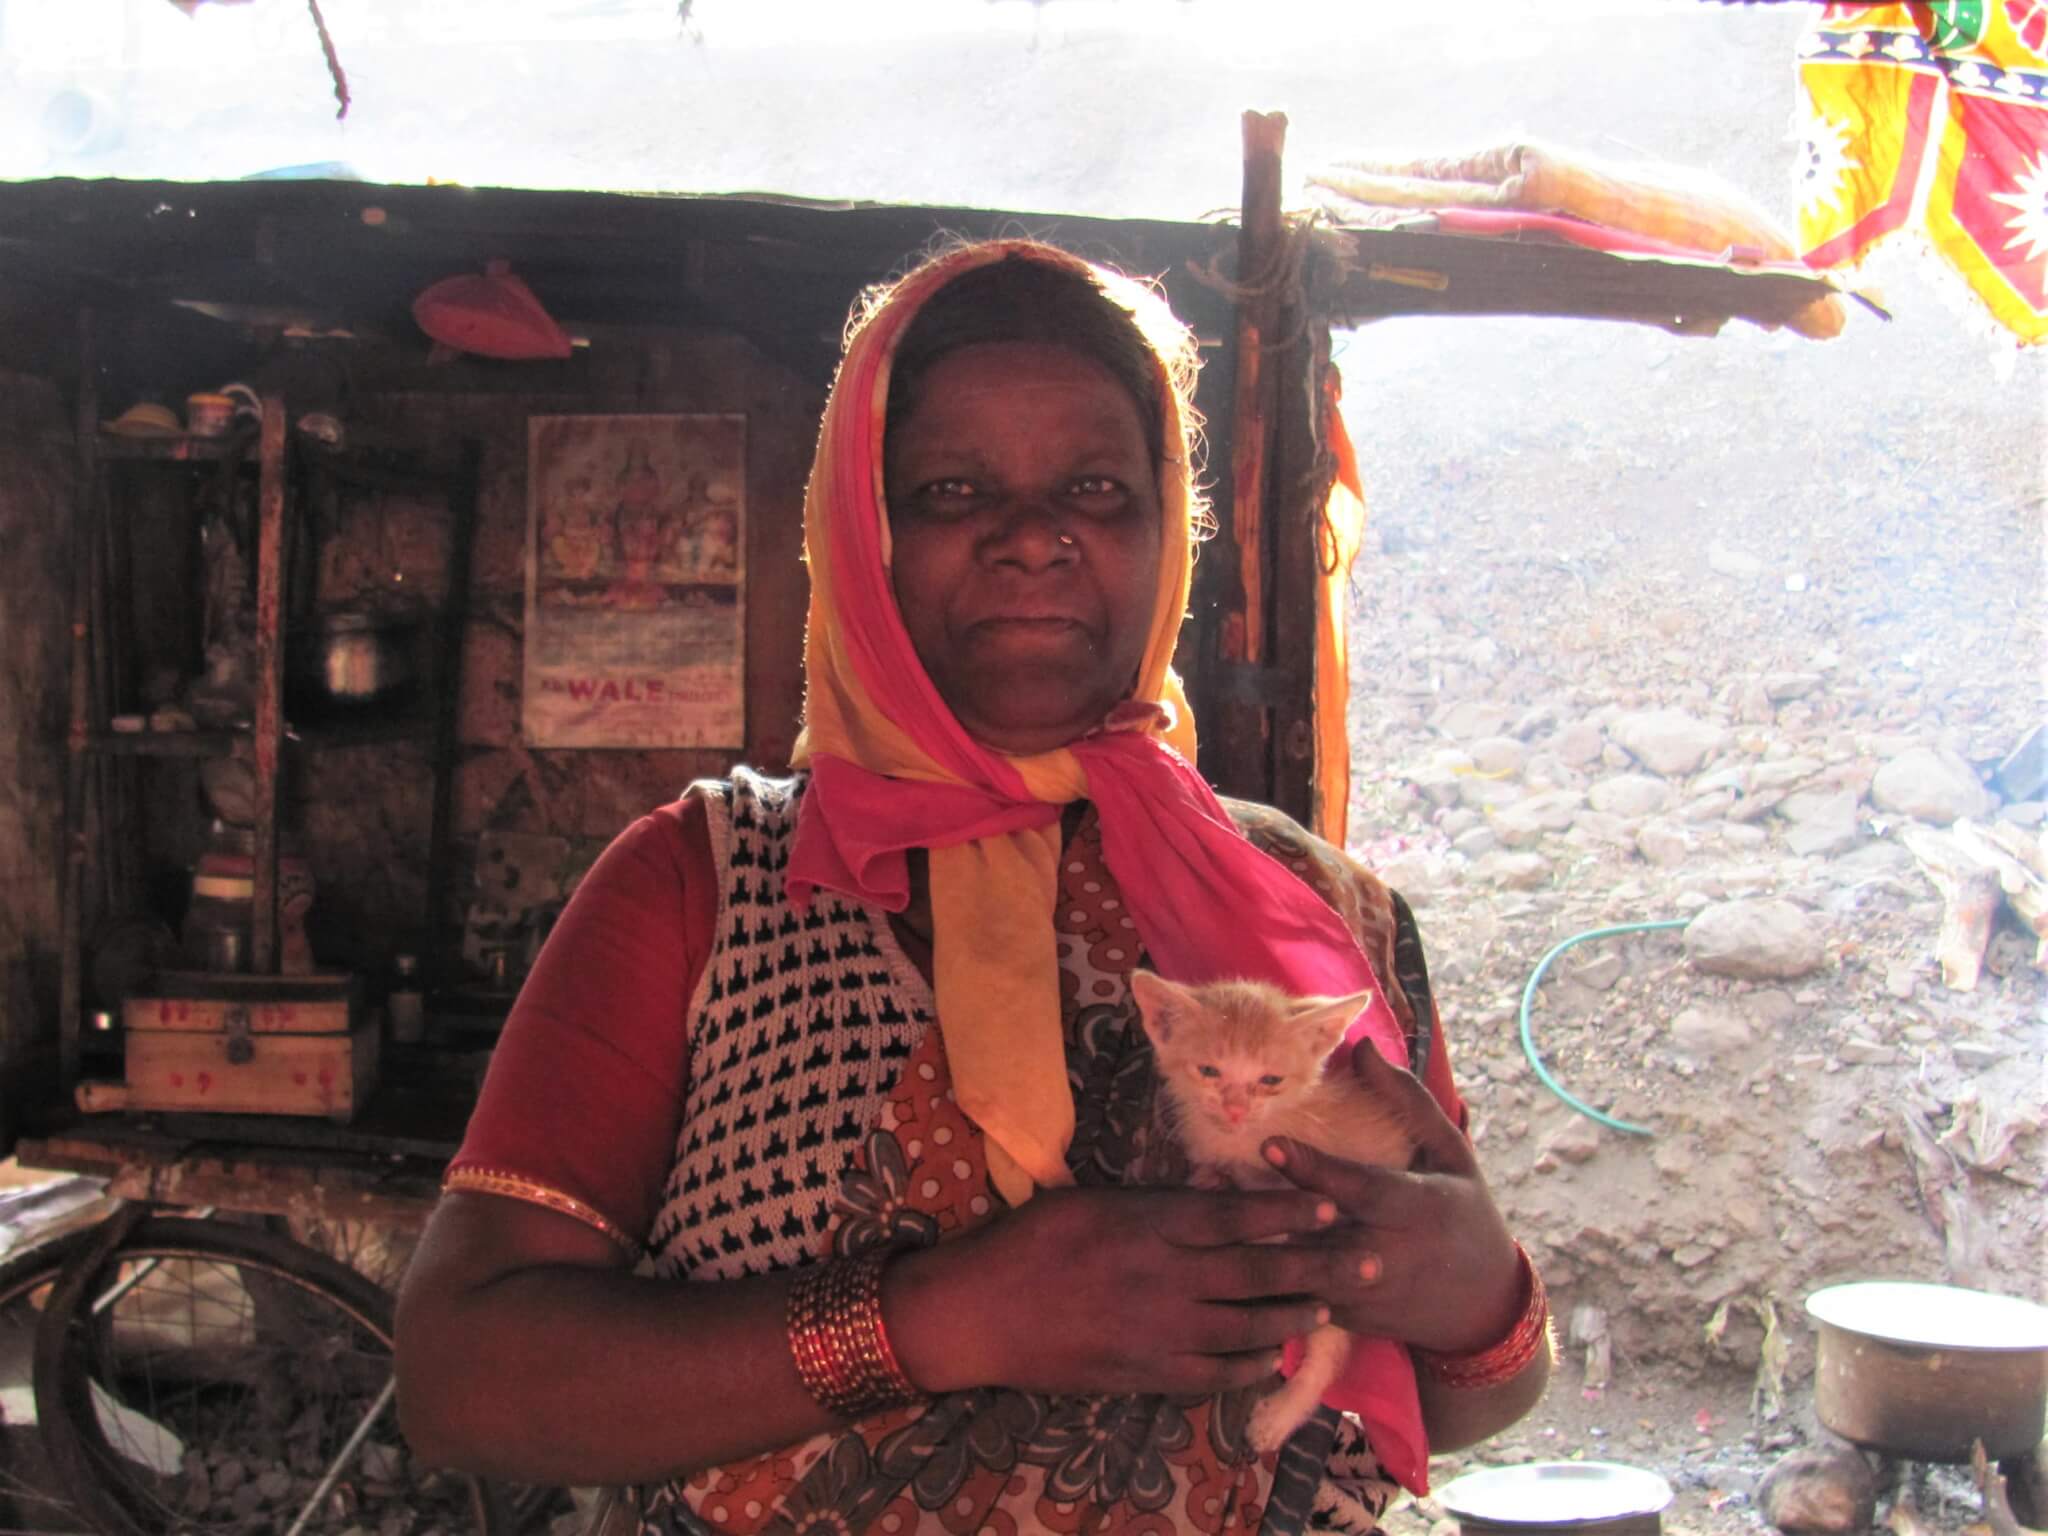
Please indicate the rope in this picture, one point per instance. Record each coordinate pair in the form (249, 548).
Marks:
(1529, 1040)
(334, 69)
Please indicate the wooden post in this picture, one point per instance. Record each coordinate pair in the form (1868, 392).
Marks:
(450, 631)
(1236, 749)
(1299, 487)
(77, 835)
(1259, 244)
(269, 714)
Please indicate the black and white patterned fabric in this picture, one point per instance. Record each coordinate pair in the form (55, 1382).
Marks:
(801, 1025)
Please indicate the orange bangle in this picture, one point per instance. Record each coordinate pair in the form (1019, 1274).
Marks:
(836, 1337)
(1505, 1360)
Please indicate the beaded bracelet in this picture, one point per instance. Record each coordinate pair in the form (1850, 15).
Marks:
(836, 1337)
(1505, 1360)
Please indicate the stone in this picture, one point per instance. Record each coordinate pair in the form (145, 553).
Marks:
(1663, 843)
(1729, 561)
(1476, 843)
(1859, 1052)
(1930, 784)
(1820, 823)
(1630, 794)
(1514, 871)
(1455, 824)
(1574, 1141)
(1528, 819)
(1599, 827)
(1709, 1032)
(1770, 1009)
(1470, 719)
(273, 1485)
(1598, 971)
(1757, 939)
(1501, 756)
(1829, 1492)
(1667, 741)
(1785, 686)
(1579, 744)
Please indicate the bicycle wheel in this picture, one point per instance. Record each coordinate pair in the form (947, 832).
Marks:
(204, 1379)
(32, 1495)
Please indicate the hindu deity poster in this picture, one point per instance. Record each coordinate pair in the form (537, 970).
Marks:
(635, 581)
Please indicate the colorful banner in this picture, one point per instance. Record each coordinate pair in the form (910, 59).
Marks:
(1932, 115)
(635, 581)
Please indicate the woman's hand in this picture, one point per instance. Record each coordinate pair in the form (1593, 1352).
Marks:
(1428, 1258)
(1115, 1290)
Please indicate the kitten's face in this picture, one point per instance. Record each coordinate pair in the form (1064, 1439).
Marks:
(1234, 1055)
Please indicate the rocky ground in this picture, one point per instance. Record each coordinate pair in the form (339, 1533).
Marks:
(1683, 636)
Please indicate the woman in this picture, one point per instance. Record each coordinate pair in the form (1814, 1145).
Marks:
(944, 1278)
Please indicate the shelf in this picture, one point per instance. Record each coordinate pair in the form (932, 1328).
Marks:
(116, 448)
(412, 724)
(169, 743)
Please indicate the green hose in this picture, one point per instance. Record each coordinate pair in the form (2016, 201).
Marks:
(1529, 1040)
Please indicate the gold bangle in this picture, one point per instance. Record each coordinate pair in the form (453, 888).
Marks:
(1506, 1359)
(836, 1338)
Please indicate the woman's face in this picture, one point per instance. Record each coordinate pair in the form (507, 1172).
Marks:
(1024, 513)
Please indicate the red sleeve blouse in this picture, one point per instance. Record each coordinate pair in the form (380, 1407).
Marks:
(583, 1101)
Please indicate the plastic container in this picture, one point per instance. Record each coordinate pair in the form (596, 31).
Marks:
(209, 415)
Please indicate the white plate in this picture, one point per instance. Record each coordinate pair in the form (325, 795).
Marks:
(1934, 1316)
(1561, 1493)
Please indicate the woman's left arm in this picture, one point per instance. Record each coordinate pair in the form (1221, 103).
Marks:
(1434, 1265)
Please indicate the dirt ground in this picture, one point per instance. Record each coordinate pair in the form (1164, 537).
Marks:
(1821, 578)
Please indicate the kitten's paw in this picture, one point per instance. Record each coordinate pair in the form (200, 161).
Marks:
(1272, 1422)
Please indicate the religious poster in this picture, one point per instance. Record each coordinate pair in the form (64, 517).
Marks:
(635, 581)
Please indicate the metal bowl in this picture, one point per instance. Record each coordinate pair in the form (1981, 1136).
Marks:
(1587, 1498)
(1922, 1371)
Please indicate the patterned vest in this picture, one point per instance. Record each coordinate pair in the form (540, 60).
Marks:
(800, 1026)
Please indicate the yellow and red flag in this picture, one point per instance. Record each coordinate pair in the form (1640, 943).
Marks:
(1932, 115)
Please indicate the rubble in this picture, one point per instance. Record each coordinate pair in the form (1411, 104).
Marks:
(1763, 764)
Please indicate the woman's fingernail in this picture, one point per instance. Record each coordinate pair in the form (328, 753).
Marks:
(1326, 1213)
(1322, 1316)
(1276, 1154)
(1369, 1267)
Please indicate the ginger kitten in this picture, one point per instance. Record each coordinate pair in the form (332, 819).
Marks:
(1242, 1061)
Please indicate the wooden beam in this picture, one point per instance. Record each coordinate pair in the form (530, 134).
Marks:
(77, 836)
(269, 712)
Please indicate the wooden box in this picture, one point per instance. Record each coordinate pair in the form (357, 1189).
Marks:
(245, 1045)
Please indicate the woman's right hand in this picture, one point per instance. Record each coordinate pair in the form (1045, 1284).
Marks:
(1114, 1291)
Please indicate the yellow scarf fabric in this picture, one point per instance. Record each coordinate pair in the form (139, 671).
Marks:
(995, 971)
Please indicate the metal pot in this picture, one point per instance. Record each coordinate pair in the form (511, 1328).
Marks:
(1584, 1498)
(1921, 1371)
(354, 658)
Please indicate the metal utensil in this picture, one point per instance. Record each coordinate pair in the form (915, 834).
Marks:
(1922, 1371)
(1586, 1498)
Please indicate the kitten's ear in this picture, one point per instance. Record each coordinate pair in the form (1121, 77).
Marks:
(1329, 1017)
(1160, 1004)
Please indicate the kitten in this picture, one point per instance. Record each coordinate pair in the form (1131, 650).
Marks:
(1242, 1061)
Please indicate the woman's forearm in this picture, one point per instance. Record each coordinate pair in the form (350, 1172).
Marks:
(562, 1366)
(1460, 1416)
